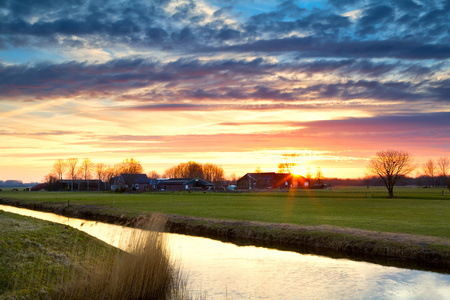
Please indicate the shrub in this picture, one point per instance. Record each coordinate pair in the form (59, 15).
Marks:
(145, 272)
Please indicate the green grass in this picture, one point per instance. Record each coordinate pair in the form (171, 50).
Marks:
(415, 210)
(36, 254)
(44, 260)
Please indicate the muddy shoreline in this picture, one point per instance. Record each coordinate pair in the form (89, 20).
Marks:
(390, 249)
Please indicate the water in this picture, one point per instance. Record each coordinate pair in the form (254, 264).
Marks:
(227, 271)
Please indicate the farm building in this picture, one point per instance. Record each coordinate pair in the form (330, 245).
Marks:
(136, 182)
(270, 180)
(78, 184)
(185, 184)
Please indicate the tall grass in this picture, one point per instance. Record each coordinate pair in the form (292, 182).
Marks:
(145, 271)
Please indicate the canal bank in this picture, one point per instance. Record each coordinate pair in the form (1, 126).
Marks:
(218, 270)
(403, 250)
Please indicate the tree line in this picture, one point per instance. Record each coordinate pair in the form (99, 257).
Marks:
(208, 171)
(390, 166)
(437, 173)
(86, 170)
(76, 169)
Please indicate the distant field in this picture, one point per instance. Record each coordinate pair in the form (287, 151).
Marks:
(415, 210)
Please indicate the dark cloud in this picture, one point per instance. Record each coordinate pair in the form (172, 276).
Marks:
(393, 123)
(374, 18)
(342, 4)
(316, 47)
(227, 79)
(402, 29)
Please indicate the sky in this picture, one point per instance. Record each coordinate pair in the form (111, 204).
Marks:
(235, 83)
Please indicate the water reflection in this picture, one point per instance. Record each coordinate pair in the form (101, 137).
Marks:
(227, 271)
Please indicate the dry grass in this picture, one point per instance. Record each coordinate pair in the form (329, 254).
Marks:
(146, 271)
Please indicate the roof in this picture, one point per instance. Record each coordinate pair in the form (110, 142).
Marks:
(175, 181)
(267, 175)
(135, 178)
(183, 181)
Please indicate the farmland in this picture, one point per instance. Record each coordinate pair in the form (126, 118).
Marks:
(415, 211)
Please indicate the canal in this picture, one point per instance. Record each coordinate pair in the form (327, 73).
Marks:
(228, 271)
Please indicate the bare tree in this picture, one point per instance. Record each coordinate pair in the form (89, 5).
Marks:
(72, 169)
(131, 166)
(86, 167)
(59, 168)
(443, 166)
(52, 182)
(390, 165)
(429, 170)
(194, 169)
(111, 172)
(289, 162)
(308, 176)
(100, 171)
(319, 176)
(185, 170)
(153, 175)
(170, 172)
(213, 173)
(232, 177)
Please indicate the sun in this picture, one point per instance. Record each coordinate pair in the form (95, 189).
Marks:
(299, 170)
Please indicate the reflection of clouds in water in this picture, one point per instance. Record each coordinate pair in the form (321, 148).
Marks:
(251, 272)
(413, 284)
(225, 270)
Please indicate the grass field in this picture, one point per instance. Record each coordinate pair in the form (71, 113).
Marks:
(44, 260)
(35, 255)
(415, 211)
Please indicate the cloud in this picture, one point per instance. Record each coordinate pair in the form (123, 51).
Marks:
(374, 19)
(166, 24)
(310, 47)
(40, 133)
(174, 82)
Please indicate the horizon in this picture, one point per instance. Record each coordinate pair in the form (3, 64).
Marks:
(234, 83)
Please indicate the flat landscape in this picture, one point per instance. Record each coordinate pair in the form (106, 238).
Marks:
(359, 222)
(415, 211)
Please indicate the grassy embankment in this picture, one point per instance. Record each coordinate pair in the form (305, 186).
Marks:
(45, 260)
(413, 226)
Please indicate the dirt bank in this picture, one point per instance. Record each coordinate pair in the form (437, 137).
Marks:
(396, 249)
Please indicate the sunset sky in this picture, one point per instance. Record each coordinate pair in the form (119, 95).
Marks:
(236, 83)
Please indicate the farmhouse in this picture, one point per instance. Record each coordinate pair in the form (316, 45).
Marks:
(270, 180)
(185, 184)
(135, 182)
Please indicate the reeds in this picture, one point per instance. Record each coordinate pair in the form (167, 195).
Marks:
(145, 271)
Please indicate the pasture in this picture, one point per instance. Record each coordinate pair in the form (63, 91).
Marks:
(415, 210)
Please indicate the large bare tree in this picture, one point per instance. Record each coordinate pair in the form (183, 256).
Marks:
(59, 168)
(390, 165)
(72, 169)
